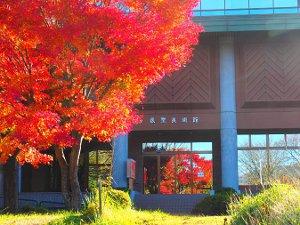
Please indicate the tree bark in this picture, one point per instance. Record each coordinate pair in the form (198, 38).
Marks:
(64, 170)
(70, 186)
(11, 186)
(73, 176)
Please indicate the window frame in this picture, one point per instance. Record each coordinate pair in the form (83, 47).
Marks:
(159, 154)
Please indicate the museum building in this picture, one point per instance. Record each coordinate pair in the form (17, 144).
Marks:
(229, 119)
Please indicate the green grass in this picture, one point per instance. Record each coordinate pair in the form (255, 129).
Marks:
(110, 217)
(32, 218)
(133, 217)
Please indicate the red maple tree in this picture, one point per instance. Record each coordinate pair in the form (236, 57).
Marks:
(186, 174)
(74, 69)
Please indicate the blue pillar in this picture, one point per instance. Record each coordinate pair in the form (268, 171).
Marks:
(119, 162)
(229, 153)
(19, 178)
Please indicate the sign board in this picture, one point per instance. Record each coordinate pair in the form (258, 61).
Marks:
(174, 120)
(131, 167)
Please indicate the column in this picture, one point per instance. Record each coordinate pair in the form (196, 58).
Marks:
(229, 153)
(119, 162)
(19, 178)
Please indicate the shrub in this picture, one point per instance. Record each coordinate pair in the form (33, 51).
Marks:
(216, 204)
(90, 210)
(116, 198)
(110, 198)
(280, 204)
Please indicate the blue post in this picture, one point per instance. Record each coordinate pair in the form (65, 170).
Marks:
(229, 153)
(119, 162)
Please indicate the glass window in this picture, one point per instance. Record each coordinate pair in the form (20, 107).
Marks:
(181, 172)
(269, 162)
(252, 166)
(293, 140)
(258, 140)
(201, 173)
(185, 146)
(284, 165)
(166, 146)
(236, 4)
(202, 146)
(185, 174)
(150, 175)
(285, 3)
(243, 140)
(277, 140)
(261, 3)
(211, 5)
(167, 175)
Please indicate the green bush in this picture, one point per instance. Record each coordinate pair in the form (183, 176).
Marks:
(216, 204)
(116, 198)
(278, 205)
(90, 210)
(110, 198)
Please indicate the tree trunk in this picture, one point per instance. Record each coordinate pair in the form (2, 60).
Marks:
(11, 186)
(73, 176)
(70, 187)
(64, 170)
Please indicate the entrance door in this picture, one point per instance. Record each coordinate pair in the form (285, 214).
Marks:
(177, 167)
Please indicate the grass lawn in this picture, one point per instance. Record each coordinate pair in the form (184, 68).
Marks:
(32, 218)
(110, 217)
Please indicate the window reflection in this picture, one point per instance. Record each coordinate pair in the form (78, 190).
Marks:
(269, 158)
(252, 166)
(243, 140)
(261, 4)
(236, 4)
(202, 146)
(242, 7)
(285, 3)
(258, 140)
(177, 146)
(185, 174)
(210, 5)
(293, 140)
(183, 167)
(150, 175)
(277, 140)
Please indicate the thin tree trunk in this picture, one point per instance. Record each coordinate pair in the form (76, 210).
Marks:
(11, 192)
(73, 176)
(64, 169)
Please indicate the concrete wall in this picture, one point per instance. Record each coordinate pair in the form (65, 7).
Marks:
(167, 203)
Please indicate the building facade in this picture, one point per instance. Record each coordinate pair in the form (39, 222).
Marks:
(229, 119)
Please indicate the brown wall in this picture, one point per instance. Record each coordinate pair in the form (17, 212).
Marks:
(268, 80)
(192, 91)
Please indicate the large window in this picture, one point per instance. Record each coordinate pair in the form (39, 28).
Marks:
(177, 167)
(241, 7)
(265, 158)
(99, 166)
